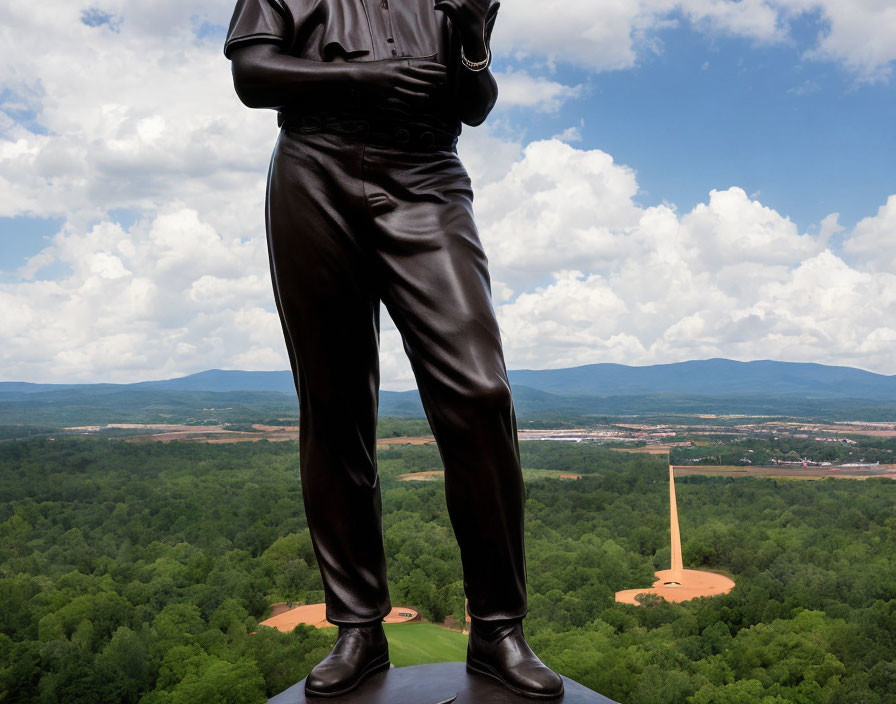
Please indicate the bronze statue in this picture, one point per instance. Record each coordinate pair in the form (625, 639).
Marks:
(367, 200)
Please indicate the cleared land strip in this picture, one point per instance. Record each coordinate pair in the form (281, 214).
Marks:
(433, 475)
(885, 470)
(215, 434)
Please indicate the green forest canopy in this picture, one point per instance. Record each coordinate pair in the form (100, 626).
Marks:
(136, 573)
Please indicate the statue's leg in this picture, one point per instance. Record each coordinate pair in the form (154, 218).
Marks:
(329, 310)
(436, 286)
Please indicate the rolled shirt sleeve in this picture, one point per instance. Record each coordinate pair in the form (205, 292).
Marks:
(257, 21)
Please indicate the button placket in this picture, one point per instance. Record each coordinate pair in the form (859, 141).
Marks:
(384, 4)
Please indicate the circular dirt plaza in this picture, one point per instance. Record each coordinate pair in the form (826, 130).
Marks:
(316, 615)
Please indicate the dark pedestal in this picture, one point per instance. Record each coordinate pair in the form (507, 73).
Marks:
(441, 683)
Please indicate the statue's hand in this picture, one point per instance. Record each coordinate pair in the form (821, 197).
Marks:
(471, 17)
(407, 78)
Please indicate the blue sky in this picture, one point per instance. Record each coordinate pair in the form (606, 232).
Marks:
(712, 111)
(656, 183)
(699, 111)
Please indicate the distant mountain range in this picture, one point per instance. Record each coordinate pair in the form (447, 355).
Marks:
(708, 377)
(711, 385)
(712, 377)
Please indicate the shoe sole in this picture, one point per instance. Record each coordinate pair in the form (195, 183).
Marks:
(375, 666)
(481, 668)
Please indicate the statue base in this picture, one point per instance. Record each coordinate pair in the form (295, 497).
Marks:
(439, 683)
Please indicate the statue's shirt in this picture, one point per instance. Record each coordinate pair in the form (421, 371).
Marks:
(358, 30)
(354, 30)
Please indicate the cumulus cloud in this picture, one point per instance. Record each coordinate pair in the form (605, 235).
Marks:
(520, 89)
(131, 114)
(580, 273)
(859, 33)
(873, 242)
(608, 35)
(587, 274)
(166, 295)
(571, 134)
(541, 216)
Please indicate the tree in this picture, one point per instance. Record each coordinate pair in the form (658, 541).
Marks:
(124, 667)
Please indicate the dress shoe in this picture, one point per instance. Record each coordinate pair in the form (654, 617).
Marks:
(359, 651)
(500, 650)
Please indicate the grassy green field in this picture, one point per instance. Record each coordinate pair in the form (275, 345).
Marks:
(422, 643)
(530, 474)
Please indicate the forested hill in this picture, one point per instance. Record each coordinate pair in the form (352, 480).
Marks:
(708, 377)
(712, 377)
(573, 395)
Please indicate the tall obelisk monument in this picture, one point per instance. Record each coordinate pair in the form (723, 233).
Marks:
(677, 565)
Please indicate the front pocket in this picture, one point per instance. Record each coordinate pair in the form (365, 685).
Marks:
(341, 50)
(346, 32)
(417, 26)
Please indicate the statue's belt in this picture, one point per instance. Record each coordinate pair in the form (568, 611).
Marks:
(390, 132)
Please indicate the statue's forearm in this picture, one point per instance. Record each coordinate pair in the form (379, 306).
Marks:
(266, 78)
(477, 93)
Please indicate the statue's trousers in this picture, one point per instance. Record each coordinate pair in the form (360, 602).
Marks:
(350, 224)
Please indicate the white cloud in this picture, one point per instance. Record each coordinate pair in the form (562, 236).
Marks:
(517, 88)
(581, 273)
(133, 119)
(755, 19)
(604, 35)
(570, 134)
(600, 278)
(167, 296)
(556, 208)
(873, 242)
(488, 151)
(860, 33)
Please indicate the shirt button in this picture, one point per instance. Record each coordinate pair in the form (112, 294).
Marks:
(402, 135)
(427, 139)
